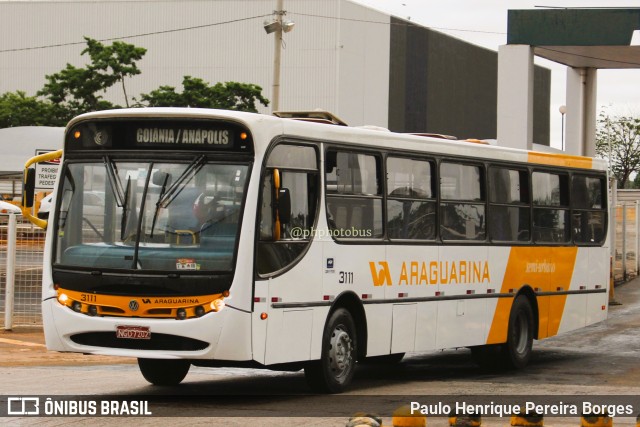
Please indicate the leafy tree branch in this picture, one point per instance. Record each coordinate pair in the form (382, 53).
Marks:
(618, 139)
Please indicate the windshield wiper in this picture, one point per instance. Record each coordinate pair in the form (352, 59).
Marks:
(114, 182)
(175, 188)
(165, 198)
(125, 210)
(167, 176)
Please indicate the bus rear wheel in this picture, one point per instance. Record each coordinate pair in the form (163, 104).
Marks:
(164, 372)
(516, 352)
(334, 371)
(517, 349)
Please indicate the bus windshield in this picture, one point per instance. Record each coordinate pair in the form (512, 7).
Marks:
(158, 216)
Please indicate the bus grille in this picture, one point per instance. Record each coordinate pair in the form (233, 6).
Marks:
(156, 342)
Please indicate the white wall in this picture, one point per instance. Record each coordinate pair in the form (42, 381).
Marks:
(364, 52)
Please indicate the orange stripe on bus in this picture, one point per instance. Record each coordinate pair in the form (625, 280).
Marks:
(542, 268)
(561, 160)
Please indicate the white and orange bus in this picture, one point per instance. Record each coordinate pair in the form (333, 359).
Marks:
(216, 238)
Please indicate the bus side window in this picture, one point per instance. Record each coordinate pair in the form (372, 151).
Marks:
(550, 207)
(354, 195)
(281, 242)
(588, 210)
(509, 211)
(463, 209)
(411, 204)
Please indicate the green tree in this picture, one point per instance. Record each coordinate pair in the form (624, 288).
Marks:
(618, 139)
(113, 63)
(78, 90)
(198, 93)
(18, 109)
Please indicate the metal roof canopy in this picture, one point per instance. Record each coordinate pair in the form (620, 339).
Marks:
(579, 38)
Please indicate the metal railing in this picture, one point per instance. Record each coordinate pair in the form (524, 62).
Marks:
(21, 251)
(626, 263)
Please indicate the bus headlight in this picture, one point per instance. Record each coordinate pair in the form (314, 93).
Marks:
(76, 306)
(182, 313)
(62, 299)
(217, 305)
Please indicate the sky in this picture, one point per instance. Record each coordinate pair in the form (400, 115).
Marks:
(484, 23)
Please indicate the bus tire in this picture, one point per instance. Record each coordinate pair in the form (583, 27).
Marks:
(517, 349)
(516, 352)
(164, 372)
(337, 364)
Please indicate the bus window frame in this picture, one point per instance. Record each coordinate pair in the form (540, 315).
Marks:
(517, 167)
(379, 157)
(433, 164)
(286, 140)
(604, 208)
(484, 199)
(565, 172)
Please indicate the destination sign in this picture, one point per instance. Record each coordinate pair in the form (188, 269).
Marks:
(165, 134)
(146, 135)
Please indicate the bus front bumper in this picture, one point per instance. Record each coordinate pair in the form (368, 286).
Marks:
(222, 335)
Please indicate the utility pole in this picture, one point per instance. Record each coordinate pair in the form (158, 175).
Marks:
(278, 25)
(277, 54)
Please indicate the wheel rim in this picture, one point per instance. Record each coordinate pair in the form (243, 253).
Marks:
(521, 331)
(340, 352)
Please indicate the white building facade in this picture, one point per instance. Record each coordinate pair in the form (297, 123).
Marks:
(336, 58)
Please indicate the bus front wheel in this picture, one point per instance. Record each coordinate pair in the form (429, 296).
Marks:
(337, 364)
(164, 372)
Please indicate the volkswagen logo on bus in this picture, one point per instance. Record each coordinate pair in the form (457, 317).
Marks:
(133, 305)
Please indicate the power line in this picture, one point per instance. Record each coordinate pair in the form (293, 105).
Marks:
(406, 24)
(246, 19)
(195, 27)
(175, 30)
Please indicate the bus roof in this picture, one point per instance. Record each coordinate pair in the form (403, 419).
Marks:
(268, 127)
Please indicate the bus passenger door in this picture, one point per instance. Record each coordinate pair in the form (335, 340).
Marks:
(287, 259)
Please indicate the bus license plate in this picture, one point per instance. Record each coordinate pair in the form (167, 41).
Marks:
(133, 332)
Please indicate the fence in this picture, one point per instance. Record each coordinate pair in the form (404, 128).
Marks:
(21, 248)
(626, 261)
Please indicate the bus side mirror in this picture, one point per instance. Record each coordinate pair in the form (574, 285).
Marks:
(284, 206)
(28, 187)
